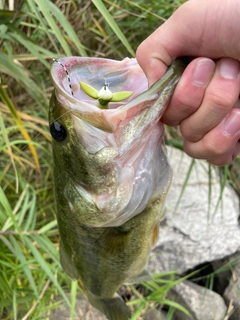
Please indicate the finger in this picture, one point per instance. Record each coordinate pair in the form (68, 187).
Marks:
(219, 98)
(189, 92)
(221, 145)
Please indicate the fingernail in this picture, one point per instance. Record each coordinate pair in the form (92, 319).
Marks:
(231, 124)
(228, 68)
(203, 71)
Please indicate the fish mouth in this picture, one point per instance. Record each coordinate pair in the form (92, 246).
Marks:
(67, 73)
(125, 75)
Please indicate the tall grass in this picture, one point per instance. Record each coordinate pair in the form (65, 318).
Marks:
(32, 33)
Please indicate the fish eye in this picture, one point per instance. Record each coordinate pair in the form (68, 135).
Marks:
(58, 131)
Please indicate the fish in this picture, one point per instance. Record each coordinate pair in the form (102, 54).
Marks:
(111, 172)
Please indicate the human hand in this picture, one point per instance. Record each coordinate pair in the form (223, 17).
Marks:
(206, 99)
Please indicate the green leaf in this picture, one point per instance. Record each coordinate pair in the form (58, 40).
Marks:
(67, 27)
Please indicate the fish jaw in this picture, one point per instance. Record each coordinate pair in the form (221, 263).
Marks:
(121, 75)
(121, 147)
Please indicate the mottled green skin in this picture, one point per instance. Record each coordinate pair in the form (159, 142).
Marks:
(86, 252)
(103, 258)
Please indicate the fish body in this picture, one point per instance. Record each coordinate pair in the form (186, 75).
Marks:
(111, 174)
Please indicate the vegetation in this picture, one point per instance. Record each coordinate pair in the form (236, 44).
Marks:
(32, 33)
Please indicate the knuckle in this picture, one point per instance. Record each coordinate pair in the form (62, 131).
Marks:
(179, 110)
(186, 103)
(220, 98)
(215, 149)
(189, 132)
(220, 161)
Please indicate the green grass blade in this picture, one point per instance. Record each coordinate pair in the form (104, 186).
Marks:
(22, 76)
(74, 287)
(24, 263)
(48, 227)
(45, 267)
(224, 174)
(7, 146)
(6, 16)
(67, 27)
(184, 184)
(19, 211)
(8, 102)
(209, 190)
(34, 49)
(43, 6)
(30, 221)
(41, 23)
(6, 205)
(22, 205)
(4, 284)
(46, 244)
(15, 305)
(137, 313)
(109, 19)
(176, 305)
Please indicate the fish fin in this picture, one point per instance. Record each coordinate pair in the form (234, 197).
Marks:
(142, 277)
(113, 240)
(67, 264)
(155, 235)
(113, 308)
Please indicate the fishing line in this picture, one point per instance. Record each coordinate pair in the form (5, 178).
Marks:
(70, 87)
(67, 73)
(25, 146)
(106, 84)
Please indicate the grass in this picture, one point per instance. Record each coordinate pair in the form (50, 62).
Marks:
(31, 35)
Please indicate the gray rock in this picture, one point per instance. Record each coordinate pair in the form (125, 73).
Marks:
(155, 315)
(232, 293)
(195, 231)
(202, 304)
(83, 311)
(222, 269)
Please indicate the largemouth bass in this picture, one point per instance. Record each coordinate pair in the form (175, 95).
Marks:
(110, 170)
